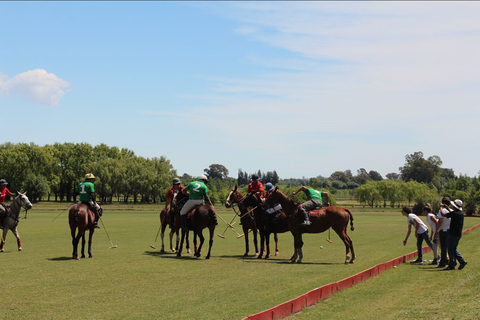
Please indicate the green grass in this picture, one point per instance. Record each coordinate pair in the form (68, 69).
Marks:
(134, 281)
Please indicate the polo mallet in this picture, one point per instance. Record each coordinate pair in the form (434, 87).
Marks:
(328, 240)
(158, 232)
(229, 225)
(111, 243)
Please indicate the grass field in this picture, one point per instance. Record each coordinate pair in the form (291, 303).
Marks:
(134, 281)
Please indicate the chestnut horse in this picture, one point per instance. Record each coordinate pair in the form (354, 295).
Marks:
(11, 218)
(252, 218)
(82, 218)
(321, 220)
(199, 218)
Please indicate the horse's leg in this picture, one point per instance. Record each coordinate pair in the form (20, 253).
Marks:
(178, 241)
(19, 243)
(162, 236)
(188, 244)
(179, 251)
(2, 241)
(195, 243)
(210, 242)
(255, 241)
(170, 236)
(262, 244)
(83, 245)
(267, 244)
(343, 235)
(245, 232)
(90, 237)
(275, 237)
(202, 239)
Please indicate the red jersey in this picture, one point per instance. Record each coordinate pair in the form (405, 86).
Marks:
(256, 186)
(4, 193)
(170, 192)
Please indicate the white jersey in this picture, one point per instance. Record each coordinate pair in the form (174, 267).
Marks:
(422, 227)
(431, 222)
(445, 222)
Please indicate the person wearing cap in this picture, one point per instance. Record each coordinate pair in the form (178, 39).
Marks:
(174, 189)
(315, 200)
(3, 193)
(454, 234)
(256, 185)
(86, 190)
(421, 232)
(197, 191)
(443, 227)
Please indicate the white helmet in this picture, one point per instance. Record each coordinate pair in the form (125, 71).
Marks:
(202, 177)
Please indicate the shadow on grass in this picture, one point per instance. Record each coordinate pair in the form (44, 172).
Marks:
(248, 259)
(60, 259)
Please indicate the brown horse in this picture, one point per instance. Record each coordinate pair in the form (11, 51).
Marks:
(81, 217)
(328, 217)
(252, 218)
(199, 218)
(165, 217)
(11, 218)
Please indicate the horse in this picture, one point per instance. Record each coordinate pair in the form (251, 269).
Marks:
(198, 219)
(82, 218)
(251, 218)
(178, 201)
(11, 218)
(322, 219)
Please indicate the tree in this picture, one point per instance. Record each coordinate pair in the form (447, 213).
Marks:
(375, 176)
(392, 176)
(340, 176)
(419, 169)
(216, 171)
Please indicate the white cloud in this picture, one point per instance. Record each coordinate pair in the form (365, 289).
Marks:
(37, 86)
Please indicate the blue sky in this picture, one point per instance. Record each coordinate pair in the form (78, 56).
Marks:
(303, 88)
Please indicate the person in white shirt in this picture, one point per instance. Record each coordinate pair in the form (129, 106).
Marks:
(443, 226)
(421, 232)
(432, 221)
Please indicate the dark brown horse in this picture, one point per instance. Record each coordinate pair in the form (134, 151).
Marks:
(252, 218)
(81, 217)
(178, 201)
(328, 217)
(11, 218)
(199, 218)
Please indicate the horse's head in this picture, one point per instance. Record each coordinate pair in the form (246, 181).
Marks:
(273, 197)
(252, 199)
(22, 199)
(233, 197)
(179, 200)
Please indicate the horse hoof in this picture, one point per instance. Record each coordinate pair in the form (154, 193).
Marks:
(207, 257)
(259, 257)
(299, 261)
(179, 255)
(76, 258)
(189, 251)
(162, 251)
(3, 250)
(173, 250)
(267, 256)
(83, 256)
(245, 254)
(90, 256)
(277, 253)
(20, 249)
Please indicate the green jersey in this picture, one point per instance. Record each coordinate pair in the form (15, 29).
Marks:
(85, 188)
(313, 194)
(197, 190)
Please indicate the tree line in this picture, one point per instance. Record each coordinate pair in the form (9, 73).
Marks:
(52, 173)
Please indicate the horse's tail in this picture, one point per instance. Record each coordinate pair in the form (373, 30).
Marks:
(351, 218)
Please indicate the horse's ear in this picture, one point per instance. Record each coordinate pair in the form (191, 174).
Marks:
(235, 188)
(276, 188)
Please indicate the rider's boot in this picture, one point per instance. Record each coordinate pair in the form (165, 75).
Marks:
(305, 216)
(97, 216)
